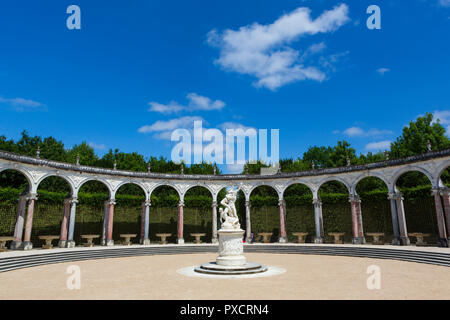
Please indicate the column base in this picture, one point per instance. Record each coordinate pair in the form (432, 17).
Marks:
(145, 242)
(110, 242)
(62, 243)
(70, 244)
(103, 242)
(318, 240)
(442, 243)
(405, 241)
(27, 245)
(282, 240)
(180, 241)
(359, 240)
(396, 242)
(215, 241)
(15, 245)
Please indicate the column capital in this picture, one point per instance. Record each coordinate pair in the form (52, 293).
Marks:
(247, 203)
(214, 203)
(435, 191)
(73, 200)
(395, 196)
(317, 201)
(280, 202)
(181, 203)
(147, 203)
(445, 191)
(32, 196)
(111, 201)
(354, 198)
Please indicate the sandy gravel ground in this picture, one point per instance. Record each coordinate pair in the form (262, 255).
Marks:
(156, 277)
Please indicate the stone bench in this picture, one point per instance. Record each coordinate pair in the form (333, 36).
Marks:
(419, 236)
(337, 237)
(163, 237)
(376, 237)
(127, 237)
(266, 236)
(197, 237)
(3, 241)
(89, 239)
(48, 241)
(300, 236)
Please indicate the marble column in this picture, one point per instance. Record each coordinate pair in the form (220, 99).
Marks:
(396, 240)
(180, 239)
(214, 222)
(318, 221)
(442, 242)
(73, 212)
(446, 197)
(27, 245)
(404, 239)
(105, 222)
(357, 224)
(20, 219)
(248, 223)
(283, 237)
(109, 235)
(145, 223)
(64, 224)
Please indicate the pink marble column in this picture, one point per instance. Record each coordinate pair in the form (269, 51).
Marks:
(64, 223)
(440, 218)
(20, 219)
(283, 238)
(180, 239)
(357, 225)
(248, 222)
(27, 245)
(109, 237)
(446, 198)
(142, 223)
(401, 219)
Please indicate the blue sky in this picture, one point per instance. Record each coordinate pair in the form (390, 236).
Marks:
(138, 69)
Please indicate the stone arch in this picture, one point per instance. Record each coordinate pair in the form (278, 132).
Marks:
(367, 175)
(136, 183)
(291, 183)
(407, 169)
(52, 174)
(167, 184)
(22, 171)
(104, 181)
(333, 178)
(201, 186)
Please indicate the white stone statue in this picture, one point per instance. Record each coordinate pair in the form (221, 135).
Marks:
(228, 216)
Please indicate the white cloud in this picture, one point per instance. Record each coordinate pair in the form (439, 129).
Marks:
(196, 102)
(21, 104)
(377, 146)
(97, 146)
(358, 132)
(233, 125)
(163, 129)
(382, 71)
(444, 3)
(444, 119)
(263, 52)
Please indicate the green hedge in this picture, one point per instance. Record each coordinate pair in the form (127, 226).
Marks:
(418, 203)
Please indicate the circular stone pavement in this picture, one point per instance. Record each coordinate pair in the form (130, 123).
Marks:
(156, 277)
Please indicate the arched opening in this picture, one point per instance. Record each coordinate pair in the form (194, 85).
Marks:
(164, 213)
(128, 211)
(336, 211)
(375, 207)
(265, 213)
(49, 209)
(197, 213)
(418, 204)
(13, 183)
(299, 211)
(90, 210)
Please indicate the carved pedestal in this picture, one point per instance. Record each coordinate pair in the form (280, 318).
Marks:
(231, 248)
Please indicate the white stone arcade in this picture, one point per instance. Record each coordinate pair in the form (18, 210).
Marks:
(35, 169)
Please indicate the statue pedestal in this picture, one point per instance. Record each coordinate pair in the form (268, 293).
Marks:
(231, 260)
(231, 248)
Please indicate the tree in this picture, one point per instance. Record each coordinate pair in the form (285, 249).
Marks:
(415, 137)
(86, 153)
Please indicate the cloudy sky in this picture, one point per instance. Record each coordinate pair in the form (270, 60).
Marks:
(137, 70)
